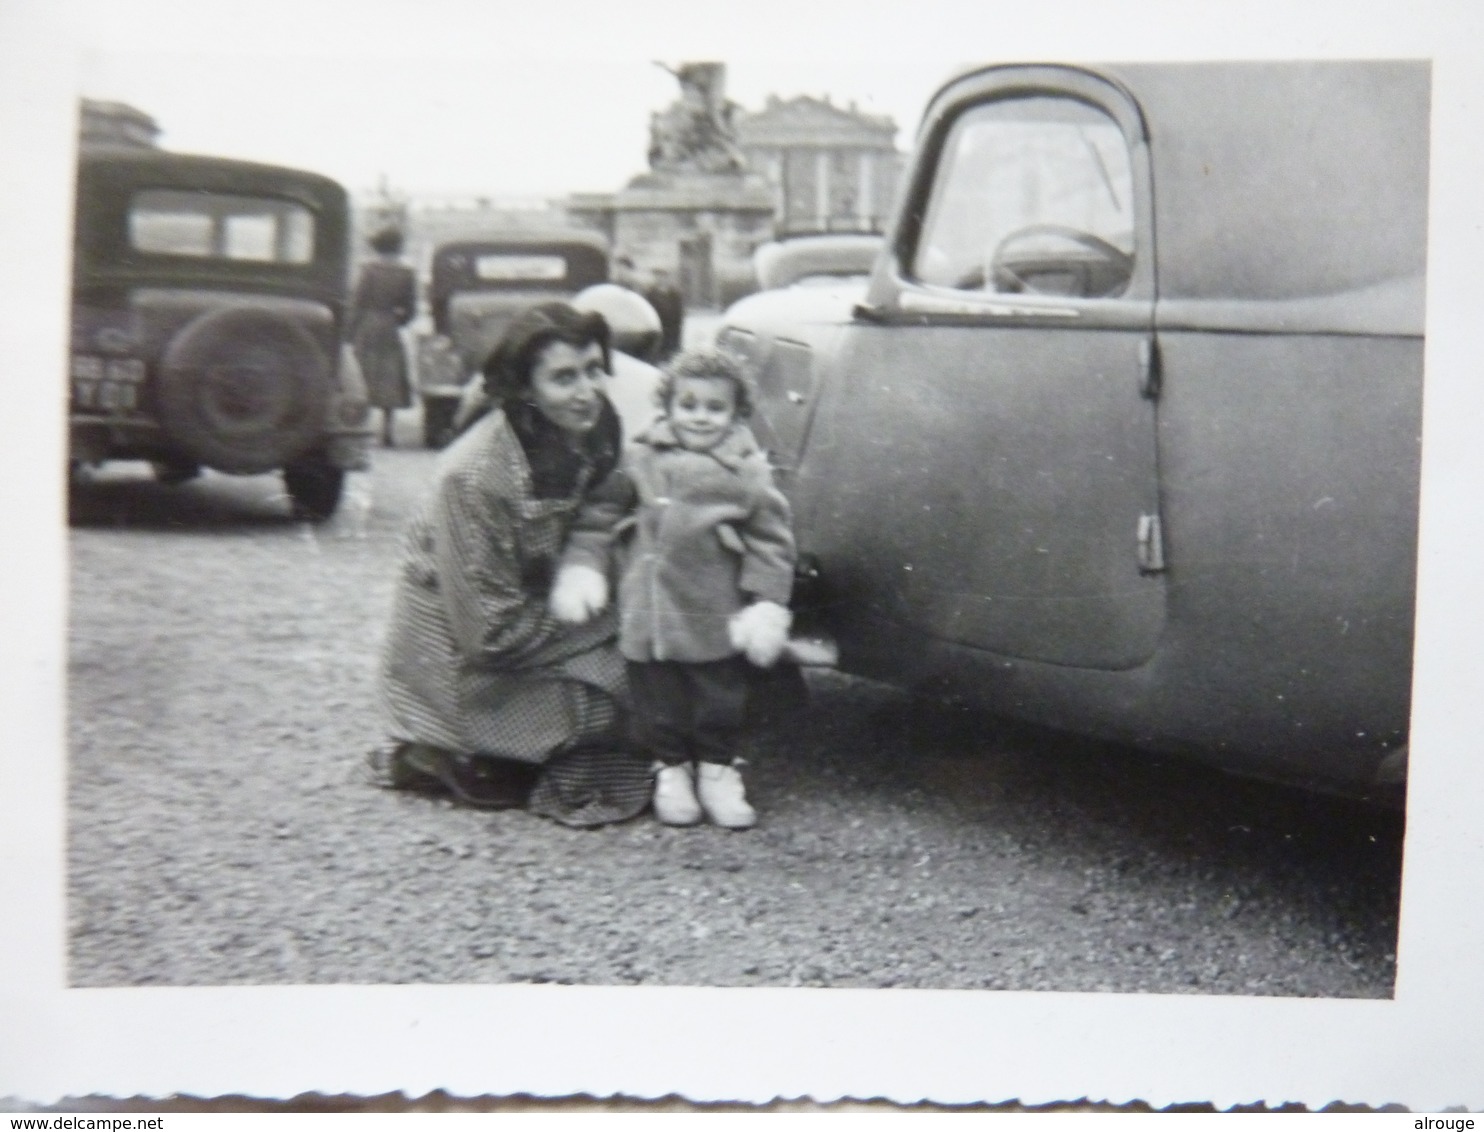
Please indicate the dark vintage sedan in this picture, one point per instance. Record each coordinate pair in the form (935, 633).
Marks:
(477, 287)
(208, 300)
(1122, 434)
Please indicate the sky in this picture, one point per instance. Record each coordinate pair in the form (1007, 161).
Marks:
(433, 113)
(538, 97)
(522, 127)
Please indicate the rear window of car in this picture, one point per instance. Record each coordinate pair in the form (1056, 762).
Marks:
(506, 268)
(207, 225)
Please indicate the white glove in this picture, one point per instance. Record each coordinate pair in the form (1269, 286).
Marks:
(760, 631)
(579, 593)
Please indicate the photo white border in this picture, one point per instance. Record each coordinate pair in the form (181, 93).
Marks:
(1424, 1049)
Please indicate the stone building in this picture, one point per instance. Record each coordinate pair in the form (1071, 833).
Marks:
(830, 168)
(697, 231)
(429, 219)
(696, 216)
(437, 218)
(721, 181)
(116, 124)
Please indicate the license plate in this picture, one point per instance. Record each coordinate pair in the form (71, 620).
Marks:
(109, 384)
(127, 370)
(107, 395)
(85, 368)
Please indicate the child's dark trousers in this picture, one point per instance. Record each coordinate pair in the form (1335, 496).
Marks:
(685, 712)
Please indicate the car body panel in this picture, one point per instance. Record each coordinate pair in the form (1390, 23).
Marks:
(1282, 180)
(1183, 515)
(985, 508)
(786, 337)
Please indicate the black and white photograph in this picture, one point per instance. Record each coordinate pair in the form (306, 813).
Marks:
(743, 555)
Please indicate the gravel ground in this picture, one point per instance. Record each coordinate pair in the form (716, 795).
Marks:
(222, 661)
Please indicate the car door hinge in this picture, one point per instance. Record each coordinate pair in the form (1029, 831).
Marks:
(1151, 545)
(1151, 372)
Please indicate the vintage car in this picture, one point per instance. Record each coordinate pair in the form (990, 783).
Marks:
(208, 300)
(476, 288)
(815, 259)
(1122, 435)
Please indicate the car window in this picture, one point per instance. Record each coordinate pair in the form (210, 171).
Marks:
(207, 225)
(1034, 194)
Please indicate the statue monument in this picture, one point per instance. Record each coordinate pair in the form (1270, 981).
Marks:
(695, 134)
(696, 214)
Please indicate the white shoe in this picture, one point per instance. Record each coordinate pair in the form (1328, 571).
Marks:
(723, 797)
(675, 796)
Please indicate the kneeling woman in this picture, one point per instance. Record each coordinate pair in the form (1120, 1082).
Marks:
(486, 694)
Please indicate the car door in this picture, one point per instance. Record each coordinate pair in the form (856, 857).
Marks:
(982, 466)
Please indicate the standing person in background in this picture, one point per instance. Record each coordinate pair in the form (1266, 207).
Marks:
(385, 300)
(669, 304)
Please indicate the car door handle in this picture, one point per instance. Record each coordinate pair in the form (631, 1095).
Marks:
(795, 397)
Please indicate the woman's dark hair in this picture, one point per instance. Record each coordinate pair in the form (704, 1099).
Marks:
(388, 241)
(707, 364)
(507, 370)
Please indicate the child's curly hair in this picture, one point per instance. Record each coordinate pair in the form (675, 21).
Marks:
(707, 364)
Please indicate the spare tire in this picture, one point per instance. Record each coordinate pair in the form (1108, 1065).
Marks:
(244, 389)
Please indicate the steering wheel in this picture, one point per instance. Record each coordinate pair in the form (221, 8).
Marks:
(1100, 268)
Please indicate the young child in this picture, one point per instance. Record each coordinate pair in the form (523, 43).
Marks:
(706, 584)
